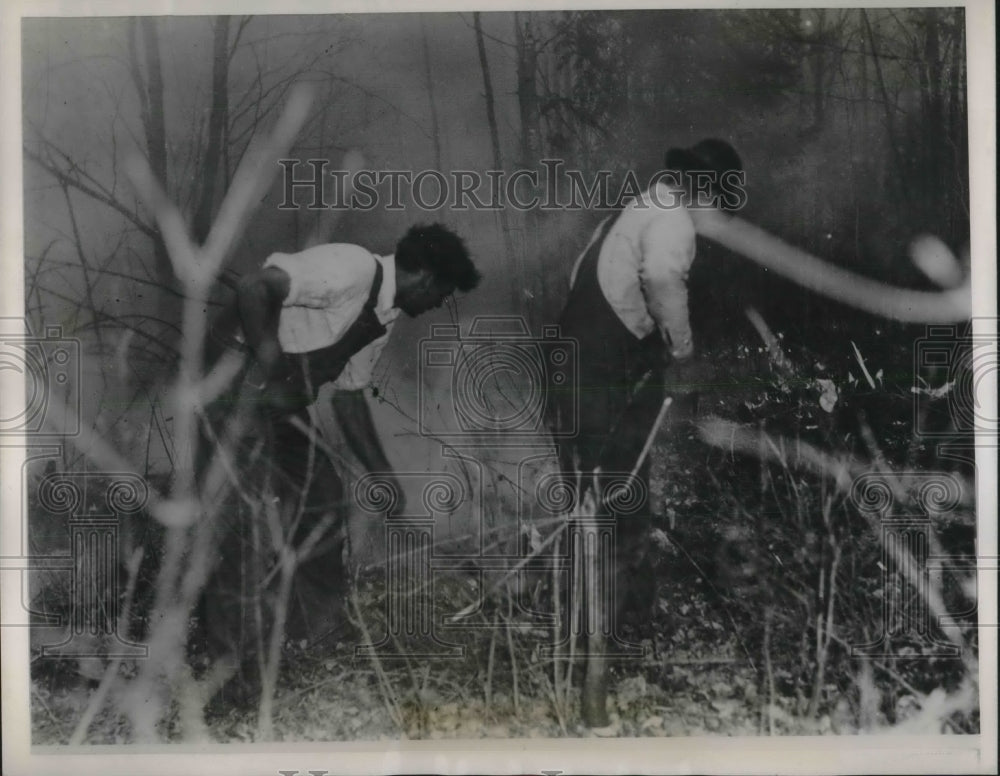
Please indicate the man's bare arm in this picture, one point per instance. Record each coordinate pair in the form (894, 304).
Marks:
(259, 298)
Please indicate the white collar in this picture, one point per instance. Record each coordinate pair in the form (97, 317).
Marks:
(387, 293)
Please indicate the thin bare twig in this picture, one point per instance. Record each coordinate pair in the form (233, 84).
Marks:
(388, 696)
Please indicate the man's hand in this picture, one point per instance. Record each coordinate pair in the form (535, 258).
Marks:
(268, 351)
(257, 375)
(259, 299)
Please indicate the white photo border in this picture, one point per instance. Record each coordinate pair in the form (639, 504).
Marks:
(856, 754)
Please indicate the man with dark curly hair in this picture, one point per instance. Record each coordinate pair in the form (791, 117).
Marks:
(320, 316)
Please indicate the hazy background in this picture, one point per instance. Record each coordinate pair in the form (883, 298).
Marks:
(852, 127)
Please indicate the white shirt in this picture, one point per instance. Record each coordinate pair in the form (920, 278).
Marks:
(328, 287)
(643, 268)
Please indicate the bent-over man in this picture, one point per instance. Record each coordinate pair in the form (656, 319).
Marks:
(311, 318)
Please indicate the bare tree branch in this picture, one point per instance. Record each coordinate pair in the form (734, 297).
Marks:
(66, 178)
(900, 304)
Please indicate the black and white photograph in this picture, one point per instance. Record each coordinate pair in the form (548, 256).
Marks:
(498, 389)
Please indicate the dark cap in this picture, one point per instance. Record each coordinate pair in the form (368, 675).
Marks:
(709, 154)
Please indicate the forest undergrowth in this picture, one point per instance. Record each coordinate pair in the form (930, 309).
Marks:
(768, 580)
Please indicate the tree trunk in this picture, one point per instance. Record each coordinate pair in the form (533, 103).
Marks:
(217, 120)
(957, 132)
(150, 92)
(491, 119)
(819, 71)
(531, 134)
(156, 131)
(527, 89)
(890, 123)
(428, 77)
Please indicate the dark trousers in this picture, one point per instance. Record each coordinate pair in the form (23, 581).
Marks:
(605, 411)
(291, 495)
(293, 489)
(613, 431)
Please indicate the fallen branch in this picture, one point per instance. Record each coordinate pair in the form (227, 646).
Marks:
(900, 304)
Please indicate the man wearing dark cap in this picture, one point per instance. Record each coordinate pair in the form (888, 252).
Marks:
(628, 312)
